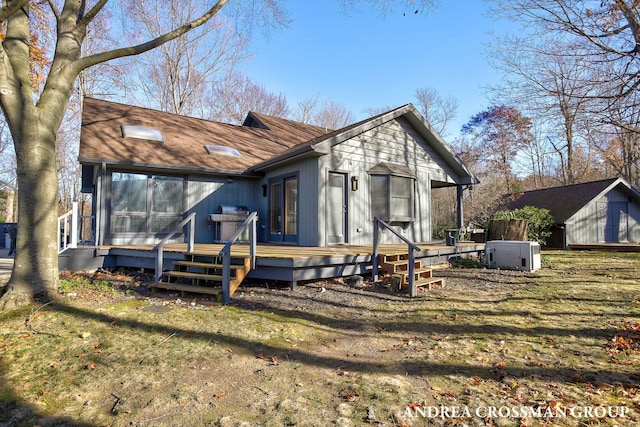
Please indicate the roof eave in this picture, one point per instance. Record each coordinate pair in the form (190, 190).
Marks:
(165, 167)
(315, 150)
(442, 148)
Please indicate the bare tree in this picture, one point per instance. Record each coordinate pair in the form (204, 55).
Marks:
(582, 59)
(438, 111)
(234, 96)
(604, 34)
(328, 114)
(175, 76)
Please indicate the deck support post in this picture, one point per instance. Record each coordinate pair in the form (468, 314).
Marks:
(413, 291)
(226, 277)
(293, 285)
(376, 247)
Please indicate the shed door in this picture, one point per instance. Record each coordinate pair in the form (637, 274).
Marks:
(612, 222)
(337, 208)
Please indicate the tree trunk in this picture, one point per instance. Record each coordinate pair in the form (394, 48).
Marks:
(35, 271)
(508, 229)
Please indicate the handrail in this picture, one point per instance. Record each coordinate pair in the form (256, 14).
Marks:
(411, 247)
(159, 248)
(225, 253)
(68, 230)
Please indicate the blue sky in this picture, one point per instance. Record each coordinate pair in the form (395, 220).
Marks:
(365, 60)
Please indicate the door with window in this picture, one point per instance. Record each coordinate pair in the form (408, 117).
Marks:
(337, 208)
(283, 209)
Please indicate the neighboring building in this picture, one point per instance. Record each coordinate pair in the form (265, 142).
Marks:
(606, 211)
(310, 186)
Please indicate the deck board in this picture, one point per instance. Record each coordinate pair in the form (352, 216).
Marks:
(298, 252)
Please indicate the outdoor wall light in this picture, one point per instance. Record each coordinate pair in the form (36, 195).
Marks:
(354, 183)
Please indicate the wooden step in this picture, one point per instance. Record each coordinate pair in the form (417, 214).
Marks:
(188, 288)
(425, 283)
(418, 274)
(191, 275)
(386, 258)
(398, 266)
(201, 281)
(204, 267)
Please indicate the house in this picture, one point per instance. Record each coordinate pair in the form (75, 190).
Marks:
(310, 186)
(606, 211)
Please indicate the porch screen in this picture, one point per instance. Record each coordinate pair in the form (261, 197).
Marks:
(145, 204)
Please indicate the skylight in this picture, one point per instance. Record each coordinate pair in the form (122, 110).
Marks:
(222, 150)
(141, 132)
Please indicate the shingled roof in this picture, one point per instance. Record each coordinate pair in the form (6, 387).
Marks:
(262, 141)
(185, 138)
(563, 202)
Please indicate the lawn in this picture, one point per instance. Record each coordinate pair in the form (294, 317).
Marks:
(560, 346)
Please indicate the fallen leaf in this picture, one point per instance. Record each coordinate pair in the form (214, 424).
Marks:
(219, 395)
(91, 365)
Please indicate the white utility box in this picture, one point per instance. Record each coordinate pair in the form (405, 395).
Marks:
(513, 254)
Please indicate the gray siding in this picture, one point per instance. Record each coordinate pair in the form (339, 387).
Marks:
(205, 194)
(582, 228)
(308, 197)
(394, 142)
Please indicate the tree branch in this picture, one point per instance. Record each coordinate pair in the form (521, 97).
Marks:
(144, 47)
(54, 9)
(88, 17)
(11, 8)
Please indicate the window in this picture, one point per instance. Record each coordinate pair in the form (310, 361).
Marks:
(142, 132)
(222, 150)
(145, 204)
(392, 193)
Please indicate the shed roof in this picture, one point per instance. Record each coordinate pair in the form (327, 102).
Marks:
(564, 201)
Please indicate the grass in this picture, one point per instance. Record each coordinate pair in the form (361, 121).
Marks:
(552, 340)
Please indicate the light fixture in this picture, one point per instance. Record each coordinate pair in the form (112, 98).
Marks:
(354, 183)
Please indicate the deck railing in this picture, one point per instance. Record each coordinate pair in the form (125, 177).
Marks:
(68, 229)
(225, 253)
(411, 247)
(159, 248)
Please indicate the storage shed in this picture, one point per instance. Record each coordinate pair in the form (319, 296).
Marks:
(590, 213)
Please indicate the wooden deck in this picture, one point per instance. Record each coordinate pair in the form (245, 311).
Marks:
(293, 263)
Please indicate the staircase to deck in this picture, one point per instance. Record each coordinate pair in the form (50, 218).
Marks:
(203, 274)
(398, 266)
